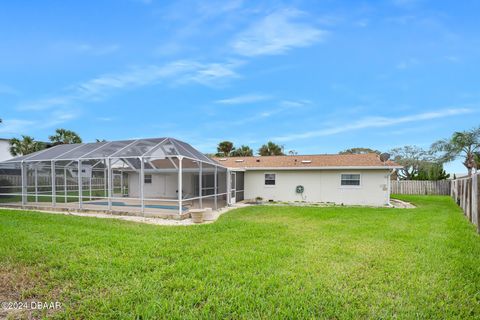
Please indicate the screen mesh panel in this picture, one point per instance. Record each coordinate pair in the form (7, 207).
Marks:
(154, 148)
(53, 152)
(82, 151)
(139, 148)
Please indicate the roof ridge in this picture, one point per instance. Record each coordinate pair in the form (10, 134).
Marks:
(303, 155)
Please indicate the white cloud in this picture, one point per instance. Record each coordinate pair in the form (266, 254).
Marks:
(294, 103)
(15, 126)
(408, 63)
(169, 48)
(277, 33)
(178, 72)
(104, 119)
(374, 122)
(215, 8)
(453, 59)
(283, 106)
(85, 48)
(244, 99)
(209, 74)
(5, 89)
(406, 3)
(59, 117)
(52, 119)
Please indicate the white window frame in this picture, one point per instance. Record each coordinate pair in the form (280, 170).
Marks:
(270, 185)
(145, 178)
(351, 186)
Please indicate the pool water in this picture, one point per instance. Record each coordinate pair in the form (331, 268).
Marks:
(123, 204)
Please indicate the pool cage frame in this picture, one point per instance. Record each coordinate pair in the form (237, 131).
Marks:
(116, 162)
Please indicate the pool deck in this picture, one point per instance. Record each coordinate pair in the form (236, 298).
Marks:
(184, 221)
(129, 207)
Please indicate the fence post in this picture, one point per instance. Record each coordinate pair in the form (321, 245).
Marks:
(477, 201)
(474, 200)
(469, 199)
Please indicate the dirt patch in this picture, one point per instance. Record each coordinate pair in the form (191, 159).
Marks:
(20, 295)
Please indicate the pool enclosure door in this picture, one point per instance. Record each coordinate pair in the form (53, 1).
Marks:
(233, 188)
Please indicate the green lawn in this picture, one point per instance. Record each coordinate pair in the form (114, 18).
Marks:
(257, 262)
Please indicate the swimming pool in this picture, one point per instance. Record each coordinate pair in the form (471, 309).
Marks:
(123, 204)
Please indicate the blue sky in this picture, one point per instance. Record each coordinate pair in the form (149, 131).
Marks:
(315, 76)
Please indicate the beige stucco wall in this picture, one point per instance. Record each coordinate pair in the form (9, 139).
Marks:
(162, 186)
(320, 186)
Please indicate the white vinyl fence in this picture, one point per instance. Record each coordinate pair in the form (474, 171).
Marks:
(466, 194)
(441, 187)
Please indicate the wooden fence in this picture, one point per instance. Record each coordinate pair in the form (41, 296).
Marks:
(441, 187)
(466, 194)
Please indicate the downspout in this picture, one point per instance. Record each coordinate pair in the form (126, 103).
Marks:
(389, 185)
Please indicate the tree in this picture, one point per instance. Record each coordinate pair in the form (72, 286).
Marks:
(292, 153)
(359, 151)
(243, 151)
(476, 158)
(431, 171)
(100, 140)
(225, 148)
(63, 136)
(461, 144)
(271, 149)
(411, 158)
(26, 145)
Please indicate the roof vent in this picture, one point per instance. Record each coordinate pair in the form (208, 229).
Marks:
(258, 160)
(306, 161)
(239, 160)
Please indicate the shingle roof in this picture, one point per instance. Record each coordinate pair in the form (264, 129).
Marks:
(307, 161)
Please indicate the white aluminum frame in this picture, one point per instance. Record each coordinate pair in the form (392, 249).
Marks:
(108, 176)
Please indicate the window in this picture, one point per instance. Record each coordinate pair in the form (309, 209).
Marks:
(350, 180)
(147, 178)
(269, 179)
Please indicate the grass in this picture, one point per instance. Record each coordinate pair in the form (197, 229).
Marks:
(256, 262)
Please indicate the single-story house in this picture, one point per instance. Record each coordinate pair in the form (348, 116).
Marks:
(352, 179)
(167, 177)
(5, 149)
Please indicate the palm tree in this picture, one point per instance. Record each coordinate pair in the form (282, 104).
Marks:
(476, 157)
(463, 143)
(359, 151)
(243, 151)
(271, 149)
(63, 136)
(26, 145)
(225, 148)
